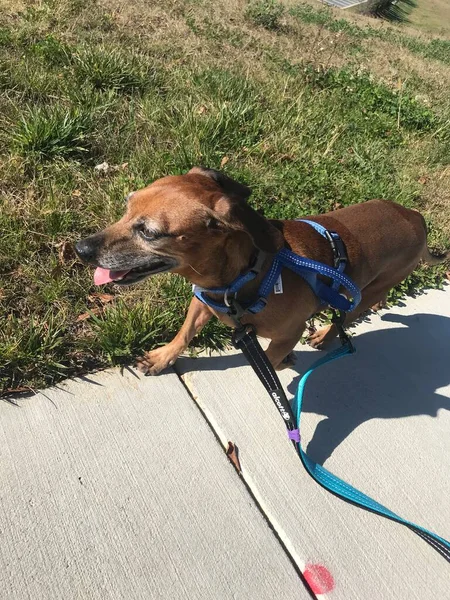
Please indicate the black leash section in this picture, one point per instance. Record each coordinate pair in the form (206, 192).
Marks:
(244, 338)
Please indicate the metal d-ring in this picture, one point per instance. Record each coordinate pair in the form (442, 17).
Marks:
(227, 301)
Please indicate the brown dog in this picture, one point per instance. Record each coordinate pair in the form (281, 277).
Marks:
(200, 226)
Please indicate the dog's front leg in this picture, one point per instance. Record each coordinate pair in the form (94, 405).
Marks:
(153, 362)
(280, 351)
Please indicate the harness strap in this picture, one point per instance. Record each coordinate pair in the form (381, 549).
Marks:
(306, 268)
(245, 340)
(337, 246)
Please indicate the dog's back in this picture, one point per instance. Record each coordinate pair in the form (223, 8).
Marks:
(382, 239)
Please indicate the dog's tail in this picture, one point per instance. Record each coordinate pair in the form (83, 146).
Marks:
(434, 259)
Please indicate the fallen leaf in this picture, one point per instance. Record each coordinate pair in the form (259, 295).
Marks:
(17, 390)
(337, 206)
(233, 456)
(224, 161)
(76, 193)
(104, 298)
(423, 180)
(87, 315)
(124, 166)
(448, 275)
(201, 109)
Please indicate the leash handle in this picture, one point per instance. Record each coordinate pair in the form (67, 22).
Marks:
(244, 338)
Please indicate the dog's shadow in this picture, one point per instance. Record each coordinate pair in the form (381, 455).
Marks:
(395, 373)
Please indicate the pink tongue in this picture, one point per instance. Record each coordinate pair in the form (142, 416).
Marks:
(102, 276)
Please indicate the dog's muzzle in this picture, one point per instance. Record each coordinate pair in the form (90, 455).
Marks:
(122, 273)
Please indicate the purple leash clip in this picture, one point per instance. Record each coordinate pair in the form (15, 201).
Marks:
(294, 435)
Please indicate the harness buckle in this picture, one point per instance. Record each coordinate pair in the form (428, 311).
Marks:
(338, 320)
(338, 248)
(235, 308)
(241, 331)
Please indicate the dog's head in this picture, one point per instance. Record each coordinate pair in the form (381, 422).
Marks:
(174, 223)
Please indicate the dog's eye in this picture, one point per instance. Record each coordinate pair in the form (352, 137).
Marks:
(212, 223)
(148, 234)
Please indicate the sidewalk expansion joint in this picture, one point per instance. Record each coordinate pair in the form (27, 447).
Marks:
(251, 488)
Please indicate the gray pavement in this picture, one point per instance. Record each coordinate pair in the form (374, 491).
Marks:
(380, 420)
(117, 486)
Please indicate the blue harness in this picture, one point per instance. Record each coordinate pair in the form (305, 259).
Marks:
(305, 267)
(244, 338)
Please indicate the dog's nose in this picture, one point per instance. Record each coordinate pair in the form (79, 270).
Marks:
(87, 249)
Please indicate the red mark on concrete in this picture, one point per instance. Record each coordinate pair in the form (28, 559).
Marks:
(319, 578)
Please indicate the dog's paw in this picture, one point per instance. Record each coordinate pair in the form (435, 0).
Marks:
(379, 305)
(287, 362)
(320, 338)
(155, 361)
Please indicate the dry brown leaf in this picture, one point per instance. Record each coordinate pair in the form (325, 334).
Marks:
(87, 315)
(17, 390)
(423, 180)
(76, 193)
(104, 298)
(224, 161)
(233, 456)
(201, 109)
(448, 275)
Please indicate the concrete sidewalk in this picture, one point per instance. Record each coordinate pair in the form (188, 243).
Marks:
(116, 486)
(380, 420)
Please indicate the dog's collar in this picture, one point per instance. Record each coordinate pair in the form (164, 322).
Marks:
(305, 267)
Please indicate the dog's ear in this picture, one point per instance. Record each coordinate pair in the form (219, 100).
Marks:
(233, 211)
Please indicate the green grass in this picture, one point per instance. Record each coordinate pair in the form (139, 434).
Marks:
(266, 13)
(432, 16)
(49, 132)
(436, 49)
(306, 134)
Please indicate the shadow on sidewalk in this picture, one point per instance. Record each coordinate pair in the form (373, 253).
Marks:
(395, 373)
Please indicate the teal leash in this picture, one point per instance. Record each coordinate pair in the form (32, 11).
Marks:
(341, 488)
(244, 338)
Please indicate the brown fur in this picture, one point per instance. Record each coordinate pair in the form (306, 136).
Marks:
(211, 233)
